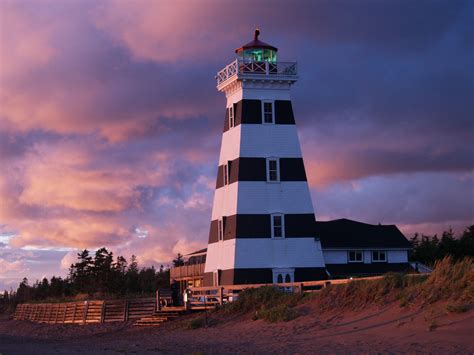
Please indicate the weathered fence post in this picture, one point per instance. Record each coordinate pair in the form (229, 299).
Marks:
(86, 308)
(221, 296)
(301, 289)
(125, 315)
(158, 303)
(102, 312)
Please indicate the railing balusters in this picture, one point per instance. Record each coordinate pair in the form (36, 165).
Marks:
(260, 68)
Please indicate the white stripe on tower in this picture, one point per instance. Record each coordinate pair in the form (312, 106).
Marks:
(260, 140)
(259, 253)
(260, 197)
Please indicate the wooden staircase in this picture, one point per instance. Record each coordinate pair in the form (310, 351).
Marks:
(161, 316)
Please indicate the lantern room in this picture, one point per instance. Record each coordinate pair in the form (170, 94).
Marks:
(257, 51)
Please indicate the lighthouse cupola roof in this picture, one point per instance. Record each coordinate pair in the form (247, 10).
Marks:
(257, 51)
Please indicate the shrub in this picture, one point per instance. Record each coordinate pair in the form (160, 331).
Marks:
(267, 302)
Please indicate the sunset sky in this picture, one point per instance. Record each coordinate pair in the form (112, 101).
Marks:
(110, 122)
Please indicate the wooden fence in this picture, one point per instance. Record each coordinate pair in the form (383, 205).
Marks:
(87, 311)
(208, 297)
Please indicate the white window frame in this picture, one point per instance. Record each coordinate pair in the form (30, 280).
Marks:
(215, 277)
(226, 173)
(355, 261)
(277, 169)
(231, 117)
(272, 225)
(220, 229)
(379, 260)
(273, 111)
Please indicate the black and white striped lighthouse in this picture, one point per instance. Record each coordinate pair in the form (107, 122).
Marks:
(262, 224)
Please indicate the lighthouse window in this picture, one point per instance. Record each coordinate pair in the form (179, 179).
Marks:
(231, 117)
(278, 226)
(273, 173)
(268, 112)
(226, 168)
(220, 229)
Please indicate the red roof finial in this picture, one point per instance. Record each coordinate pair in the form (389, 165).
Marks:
(256, 43)
(256, 34)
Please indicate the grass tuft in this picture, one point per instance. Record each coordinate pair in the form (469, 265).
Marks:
(268, 303)
(196, 323)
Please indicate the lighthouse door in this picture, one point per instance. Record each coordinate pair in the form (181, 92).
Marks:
(283, 275)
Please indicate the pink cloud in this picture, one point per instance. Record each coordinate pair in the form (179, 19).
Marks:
(166, 31)
(11, 267)
(31, 45)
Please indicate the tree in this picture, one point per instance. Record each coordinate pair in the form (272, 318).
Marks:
(132, 282)
(466, 242)
(80, 273)
(179, 261)
(102, 270)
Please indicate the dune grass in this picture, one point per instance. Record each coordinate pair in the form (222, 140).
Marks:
(451, 281)
(268, 303)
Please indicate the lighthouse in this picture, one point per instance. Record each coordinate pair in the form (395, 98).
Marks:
(263, 228)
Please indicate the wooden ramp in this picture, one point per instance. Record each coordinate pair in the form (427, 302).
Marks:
(161, 316)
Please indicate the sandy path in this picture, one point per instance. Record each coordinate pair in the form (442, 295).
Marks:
(387, 330)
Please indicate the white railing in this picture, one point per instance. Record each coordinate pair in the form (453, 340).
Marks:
(259, 68)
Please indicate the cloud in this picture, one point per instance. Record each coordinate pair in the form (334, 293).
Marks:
(436, 200)
(110, 122)
(7, 267)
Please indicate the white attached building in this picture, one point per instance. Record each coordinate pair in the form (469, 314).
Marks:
(356, 248)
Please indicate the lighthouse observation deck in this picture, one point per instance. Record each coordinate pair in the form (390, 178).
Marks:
(249, 69)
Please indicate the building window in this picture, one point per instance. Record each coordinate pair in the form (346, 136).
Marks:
(273, 170)
(231, 117)
(220, 228)
(355, 256)
(226, 174)
(280, 279)
(268, 112)
(287, 278)
(379, 256)
(278, 226)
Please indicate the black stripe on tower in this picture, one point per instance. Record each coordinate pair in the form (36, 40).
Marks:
(255, 169)
(250, 112)
(262, 275)
(242, 226)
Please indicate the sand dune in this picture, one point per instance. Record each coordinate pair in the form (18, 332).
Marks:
(387, 329)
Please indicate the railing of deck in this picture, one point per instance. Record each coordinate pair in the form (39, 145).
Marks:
(259, 68)
(187, 271)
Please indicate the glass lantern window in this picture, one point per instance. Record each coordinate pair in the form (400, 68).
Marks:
(259, 55)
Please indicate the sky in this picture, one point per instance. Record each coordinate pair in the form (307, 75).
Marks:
(110, 122)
